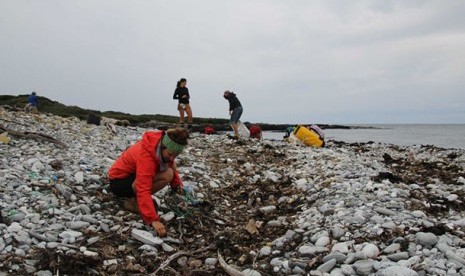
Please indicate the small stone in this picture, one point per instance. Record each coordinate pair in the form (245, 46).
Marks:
(70, 234)
(148, 248)
(194, 263)
(323, 241)
(276, 262)
(337, 232)
(211, 261)
(419, 214)
(426, 239)
(168, 216)
(93, 240)
(339, 257)
(182, 261)
(37, 167)
(396, 271)
(347, 270)
(327, 266)
(18, 217)
(145, 237)
(370, 250)
(341, 247)
(167, 248)
(265, 251)
(385, 211)
(392, 248)
(268, 209)
(79, 177)
(90, 253)
(398, 256)
(364, 267)
(43, 273)
(312, 250)
(77, 224)
(452, 197)
(251, 272)
(52, 245)
(2, 244)
(110, 262)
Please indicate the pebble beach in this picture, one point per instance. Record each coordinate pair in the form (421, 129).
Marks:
(256, 207)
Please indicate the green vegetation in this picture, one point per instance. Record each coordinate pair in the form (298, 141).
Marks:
(145, 120)
(59, 109)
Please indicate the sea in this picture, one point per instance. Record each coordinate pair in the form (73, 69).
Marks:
(440, 135)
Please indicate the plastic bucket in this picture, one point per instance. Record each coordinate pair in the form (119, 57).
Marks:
(308, 137)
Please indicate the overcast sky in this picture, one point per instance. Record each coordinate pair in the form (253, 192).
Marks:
(293, 61)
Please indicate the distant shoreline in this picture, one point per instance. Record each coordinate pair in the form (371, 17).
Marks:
(146, 120)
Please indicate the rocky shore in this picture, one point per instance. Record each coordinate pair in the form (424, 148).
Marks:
(257, 208)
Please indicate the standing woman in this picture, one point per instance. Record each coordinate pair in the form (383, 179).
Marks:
(235, 110)
(182, 95)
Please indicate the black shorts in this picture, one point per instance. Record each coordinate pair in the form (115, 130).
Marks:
(123, 187)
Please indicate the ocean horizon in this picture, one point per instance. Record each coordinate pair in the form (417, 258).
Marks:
(440, 135)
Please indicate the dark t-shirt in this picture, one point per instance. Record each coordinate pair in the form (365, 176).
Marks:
(233, 101)
(179, 93)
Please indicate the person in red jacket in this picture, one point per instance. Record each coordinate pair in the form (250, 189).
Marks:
(145, 168)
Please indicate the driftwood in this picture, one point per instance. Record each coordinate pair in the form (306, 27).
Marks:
(177, 255)
(33, 135)
(229, 269)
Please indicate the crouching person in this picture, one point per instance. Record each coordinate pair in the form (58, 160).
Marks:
(144, 169)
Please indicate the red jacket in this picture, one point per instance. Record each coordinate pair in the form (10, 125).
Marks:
(141, 160)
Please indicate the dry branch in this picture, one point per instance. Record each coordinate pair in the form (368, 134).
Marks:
(33, 135)
(177, 255)
(229, 269)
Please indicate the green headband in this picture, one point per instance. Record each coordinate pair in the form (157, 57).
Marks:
(171, 145)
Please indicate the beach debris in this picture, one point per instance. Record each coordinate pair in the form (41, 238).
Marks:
(4, 138)
(272, 207)
(33, 135)
(145, 237)
(227, 268)
(251, 227)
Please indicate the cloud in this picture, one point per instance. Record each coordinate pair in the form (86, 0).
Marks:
(293, 61)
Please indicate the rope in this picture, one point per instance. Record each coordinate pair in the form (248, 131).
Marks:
(186, 198)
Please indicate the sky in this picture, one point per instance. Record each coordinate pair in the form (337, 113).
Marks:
(293, 61)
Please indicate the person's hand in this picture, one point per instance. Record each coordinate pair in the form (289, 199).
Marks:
(185, 96)
(159, 228)
(230, 112)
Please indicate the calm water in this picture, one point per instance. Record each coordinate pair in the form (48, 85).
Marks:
(447, 136)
